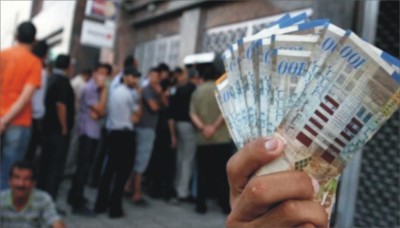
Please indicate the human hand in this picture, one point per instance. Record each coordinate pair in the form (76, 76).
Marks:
(64, 131)
(282, 199)
(157, 88)
(208, 131)
(173, 141)
(3, 125)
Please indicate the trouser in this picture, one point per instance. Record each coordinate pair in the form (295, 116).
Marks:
(101, 155)
(14, 142)
(86, 154)
(211, 164)
(121, 155)
(35, 140)
(71, 163)
(54, 155)
(185, 157)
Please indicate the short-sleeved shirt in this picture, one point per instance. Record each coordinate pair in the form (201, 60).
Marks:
(38, 108)
(204, 104)
(18, 67)
(149, 118)
(180, 102)
(59, 90)
(90, 97)
(39, 212)
(120, 108)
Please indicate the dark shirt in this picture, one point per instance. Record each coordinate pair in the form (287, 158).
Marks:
(60, 90)
(180, 102)
(149, 118)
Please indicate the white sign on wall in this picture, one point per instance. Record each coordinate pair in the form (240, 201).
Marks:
(97, 34)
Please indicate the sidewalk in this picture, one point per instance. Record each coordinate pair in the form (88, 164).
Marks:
(159, 214)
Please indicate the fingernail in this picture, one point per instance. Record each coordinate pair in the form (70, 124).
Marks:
(315, 185)
(271, 144)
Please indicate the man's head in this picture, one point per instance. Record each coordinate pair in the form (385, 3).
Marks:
(130, 61)
(22, 179)
(131, 77)
(100, 74)
(193, 75)
(209, 73)
(26, 33)
(40, 49)
(164, 71)
(154, 75)
(63, 62)
(86, 74)
(180, 76)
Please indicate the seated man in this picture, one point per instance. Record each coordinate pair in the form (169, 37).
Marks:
(282, 199)
(22, 205)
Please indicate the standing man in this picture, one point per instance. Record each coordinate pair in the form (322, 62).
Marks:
(24, 206)
(91, 109)
(20, 75)
(38, 108)
(183, 134)
(123, 113)
(57, 125)
(153, 100)
(213, 143)
(77, 83)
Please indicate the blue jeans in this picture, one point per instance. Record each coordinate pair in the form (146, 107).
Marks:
(144, 147)
(14, 144)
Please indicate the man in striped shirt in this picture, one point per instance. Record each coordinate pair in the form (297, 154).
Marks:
(23, 206)
(91, 109)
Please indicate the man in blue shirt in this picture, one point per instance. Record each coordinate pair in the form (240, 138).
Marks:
(123, 113)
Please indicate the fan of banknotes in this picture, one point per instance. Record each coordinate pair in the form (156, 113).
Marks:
(323, 90)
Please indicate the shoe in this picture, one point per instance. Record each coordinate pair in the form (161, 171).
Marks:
(140, 203)
(188, 199)
(83, 211)
(115, 215)
(100, 210)
(201, 208)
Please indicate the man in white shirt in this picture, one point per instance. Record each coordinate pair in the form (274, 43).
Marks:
(123, 113)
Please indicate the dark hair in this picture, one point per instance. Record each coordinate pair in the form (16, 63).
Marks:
(131, 71)
(87, 71)
(178, 70)
(109, 68)
(154, 69)
(106, 66)
(163, 67)
(129, 61)
(192, 72)
(40, 49)
(209, 73)
(26, 32)
(62, 62)
(24, 165)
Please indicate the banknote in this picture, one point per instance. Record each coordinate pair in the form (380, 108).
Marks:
(236, 99)
(339, 111)
(312, 29)
(288, 69)
(224, 95)
(243, 78)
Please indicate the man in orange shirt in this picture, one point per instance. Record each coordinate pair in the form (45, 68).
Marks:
(20, 75)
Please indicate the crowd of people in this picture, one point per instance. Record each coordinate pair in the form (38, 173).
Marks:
(162, 131)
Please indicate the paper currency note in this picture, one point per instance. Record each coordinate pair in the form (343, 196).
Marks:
(287, 72)
(224, 95)
(313, 29)
(339, 111)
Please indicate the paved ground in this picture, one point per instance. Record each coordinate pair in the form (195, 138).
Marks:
(159, 214)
